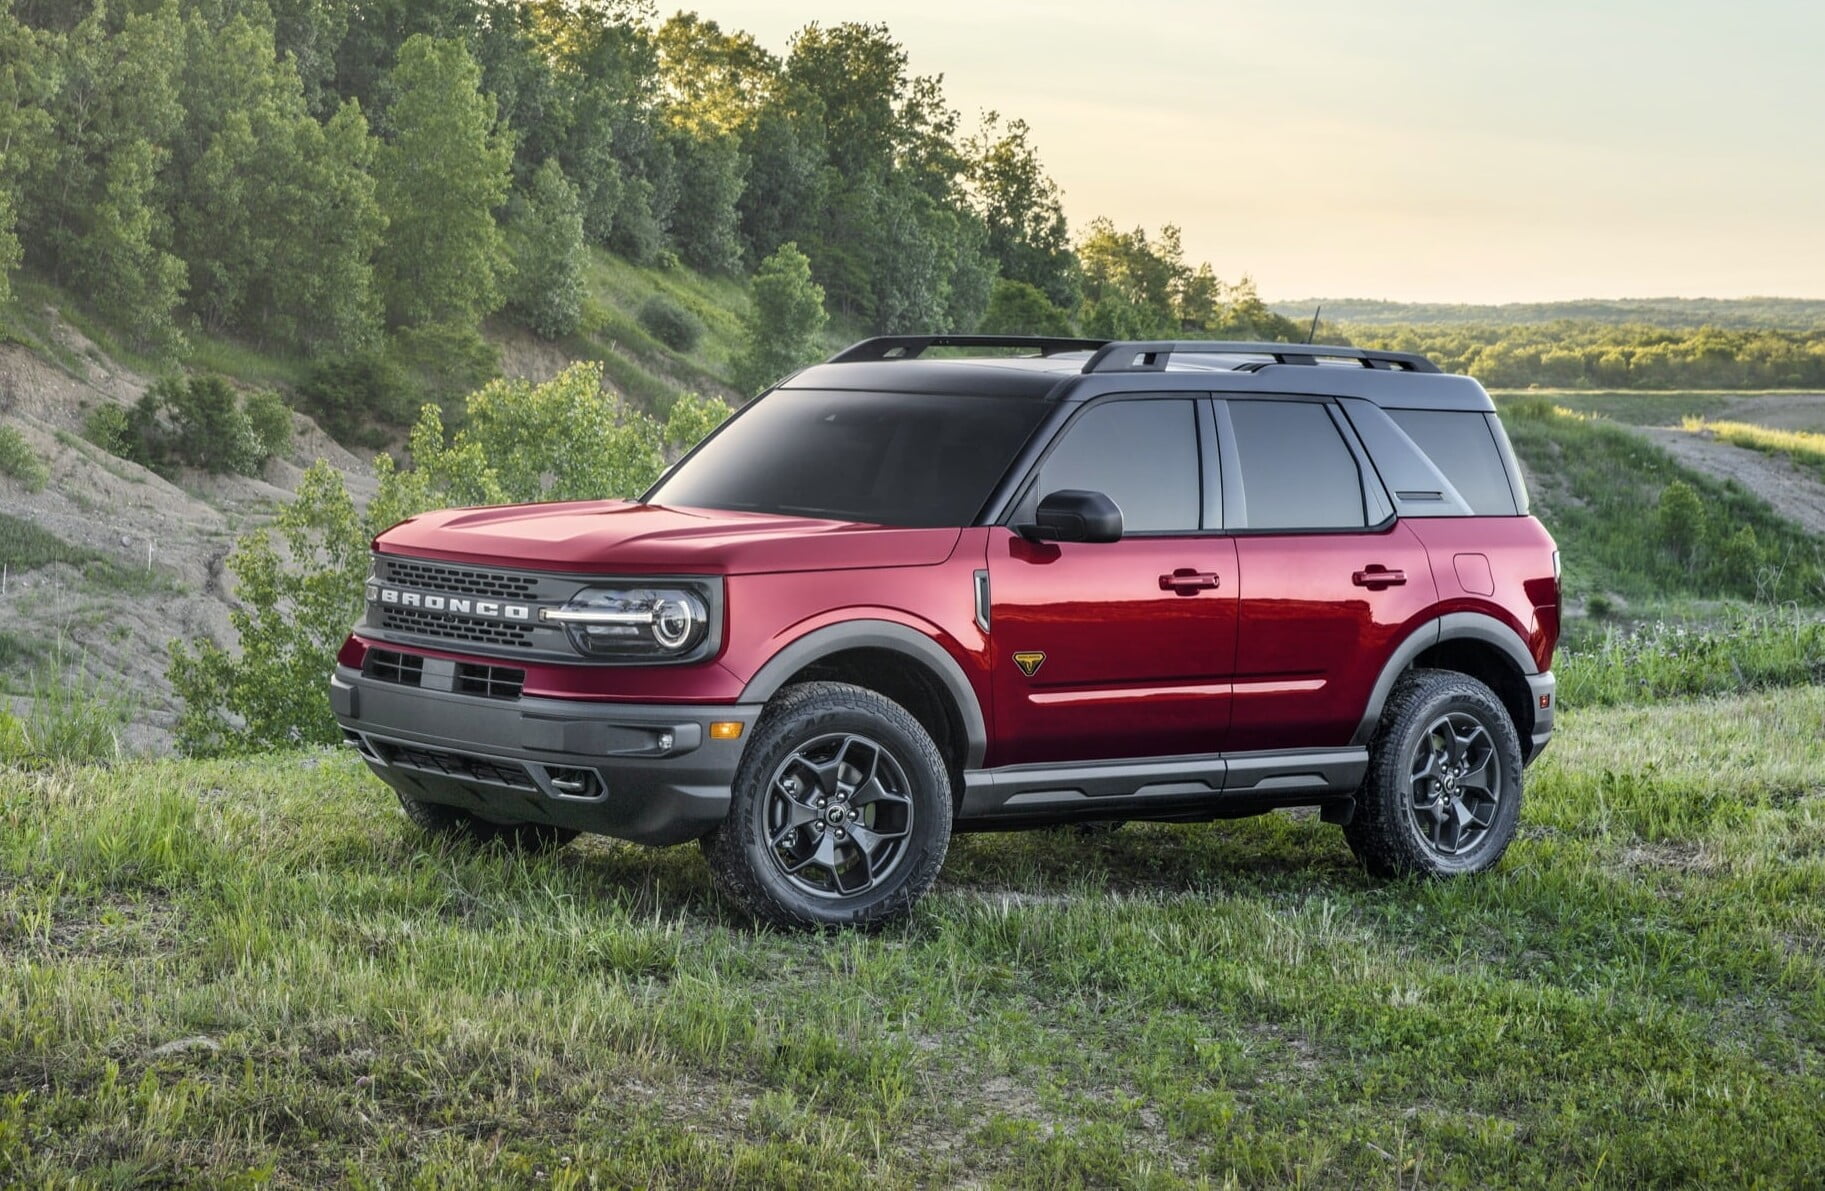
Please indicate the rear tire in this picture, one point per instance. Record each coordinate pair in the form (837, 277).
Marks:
(840, 814)
(454, 823)
(1443, 791)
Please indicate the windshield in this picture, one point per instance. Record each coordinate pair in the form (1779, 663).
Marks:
(907, 459)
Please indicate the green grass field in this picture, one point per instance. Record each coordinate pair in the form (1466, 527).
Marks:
(237, 973)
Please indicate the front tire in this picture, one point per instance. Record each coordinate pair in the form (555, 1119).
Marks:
(1443, 791)
(840, 814)
(455, 823)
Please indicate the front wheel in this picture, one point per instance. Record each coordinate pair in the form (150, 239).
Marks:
(840, 814)
(1443, 792)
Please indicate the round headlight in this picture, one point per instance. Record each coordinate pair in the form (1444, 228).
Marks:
(674, 621)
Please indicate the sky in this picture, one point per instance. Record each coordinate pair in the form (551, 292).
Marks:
(1416, 150)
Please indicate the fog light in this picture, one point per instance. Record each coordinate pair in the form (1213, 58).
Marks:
(665, 742)
(727, 730)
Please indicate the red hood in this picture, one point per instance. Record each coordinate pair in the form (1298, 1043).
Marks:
(619, 536)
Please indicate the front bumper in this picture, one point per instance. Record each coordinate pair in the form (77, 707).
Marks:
(644, 772)
(1543, 691)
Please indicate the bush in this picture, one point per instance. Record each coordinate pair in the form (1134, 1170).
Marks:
(18, 460)
(1682, 519)
(670, 323)
(110, 428)
(270, 419)
(348, 395)
(784, 323)
(74, 719)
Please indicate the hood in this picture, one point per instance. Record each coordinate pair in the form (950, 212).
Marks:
(606, 537)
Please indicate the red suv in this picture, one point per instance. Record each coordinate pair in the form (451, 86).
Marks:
(1061, 581)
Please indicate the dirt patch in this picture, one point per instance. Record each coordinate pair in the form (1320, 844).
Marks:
(1781, 411)
(1794, 493)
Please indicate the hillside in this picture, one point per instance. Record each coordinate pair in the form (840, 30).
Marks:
(110, 561)
(1778, 314)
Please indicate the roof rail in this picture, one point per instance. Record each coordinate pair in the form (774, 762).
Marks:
(1142, 356)
(910, 347)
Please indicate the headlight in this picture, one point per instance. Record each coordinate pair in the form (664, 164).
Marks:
(634, 622)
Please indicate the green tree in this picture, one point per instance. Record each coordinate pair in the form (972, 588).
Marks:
(441, 176)
(1019, 308)
(783, 325)
(705, 221)
(1023, 209)
(545, 237)
(94, 211)
(1682, 520)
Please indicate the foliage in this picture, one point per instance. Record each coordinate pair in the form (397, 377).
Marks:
(783, 326)
(1593, 355)
(1023, 210)
(18, 460)
(347, 393)
(670, 323)
(1601, 489)
(561, 440)
(440, 176)
(1748, 649)
(1016, 308)
(545, 241)
(74, 718)
(196, 422)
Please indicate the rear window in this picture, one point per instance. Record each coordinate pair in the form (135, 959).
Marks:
(916, 460)
(1463, 446)
(1297, 472)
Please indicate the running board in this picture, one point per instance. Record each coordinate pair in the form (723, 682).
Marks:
(1171, 785)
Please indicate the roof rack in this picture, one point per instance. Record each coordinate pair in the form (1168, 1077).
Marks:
(1152, 356)
(910, 347)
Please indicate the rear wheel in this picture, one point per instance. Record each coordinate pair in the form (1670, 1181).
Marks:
(840, 814)
(452, 822)
(1443, 792)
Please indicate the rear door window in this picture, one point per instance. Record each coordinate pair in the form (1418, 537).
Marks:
(1297, 470)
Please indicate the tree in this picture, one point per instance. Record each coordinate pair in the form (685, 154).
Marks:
(545, 236)
(1023, 208)
(27, 83)
(1018, 308)
(94, 213)
(713, 82)
(783, 325)
(440, 179)
(705, 222)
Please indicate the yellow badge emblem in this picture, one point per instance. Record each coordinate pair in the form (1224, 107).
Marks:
(1029, 662)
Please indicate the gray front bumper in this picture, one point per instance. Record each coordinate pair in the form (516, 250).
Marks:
(644, 772)
(1541, 686)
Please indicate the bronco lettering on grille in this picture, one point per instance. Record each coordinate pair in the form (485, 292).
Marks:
(453, 605)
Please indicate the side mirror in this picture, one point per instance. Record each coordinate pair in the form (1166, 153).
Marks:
(1072, 515)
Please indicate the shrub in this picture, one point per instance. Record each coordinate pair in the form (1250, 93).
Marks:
(691, 419)
(1682, 519)
(784, 322)
(18, 460)
(197, 423)
(670, 323)
(349, 394)
(109, 427)
(270, 419)
(73, 720)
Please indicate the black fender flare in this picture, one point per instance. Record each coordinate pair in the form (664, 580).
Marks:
(1453, 626)
(879, 634)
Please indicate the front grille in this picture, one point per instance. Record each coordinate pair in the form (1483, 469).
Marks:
(456, 580)
(460, 765)
(406, 669)
(455, 628)
(494, 682)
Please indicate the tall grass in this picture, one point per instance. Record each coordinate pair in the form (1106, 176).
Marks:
(1750, 649)
(1804, 447)
(74, 718)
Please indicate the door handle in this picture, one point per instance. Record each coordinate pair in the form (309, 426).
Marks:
(1375, 577)
(1186, 581)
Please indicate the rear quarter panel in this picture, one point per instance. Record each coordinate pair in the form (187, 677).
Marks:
(1501, 567)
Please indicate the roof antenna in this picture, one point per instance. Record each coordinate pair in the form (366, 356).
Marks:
(1314, 330)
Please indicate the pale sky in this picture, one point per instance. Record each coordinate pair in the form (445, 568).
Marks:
(1425, 150)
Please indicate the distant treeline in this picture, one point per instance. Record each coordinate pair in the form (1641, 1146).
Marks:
(1782, 314)
(1587, 355)
(325, 175)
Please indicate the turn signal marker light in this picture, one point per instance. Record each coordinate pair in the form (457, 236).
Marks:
(726, 730)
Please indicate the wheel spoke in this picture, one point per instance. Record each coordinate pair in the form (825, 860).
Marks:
(873, 791)
(820, 785)
(1479, 777)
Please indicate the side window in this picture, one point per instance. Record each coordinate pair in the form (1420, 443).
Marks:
(1297, 471)
(1143, 455)
(1462, 445)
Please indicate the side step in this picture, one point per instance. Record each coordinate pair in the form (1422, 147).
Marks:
(1168, 787)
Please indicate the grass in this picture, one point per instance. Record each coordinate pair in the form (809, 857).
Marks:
(1637, 407)
(1744, 649)
(27, 547)
(223, 973)
(1597, 487)
(1804, 447)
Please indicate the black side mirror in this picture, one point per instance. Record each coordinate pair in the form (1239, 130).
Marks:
(1072, 515)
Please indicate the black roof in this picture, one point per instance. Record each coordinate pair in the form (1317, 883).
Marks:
(1075, 370)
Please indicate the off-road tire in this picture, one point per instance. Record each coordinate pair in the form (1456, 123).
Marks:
(455, 823)
(746, 865)
(1386, 832)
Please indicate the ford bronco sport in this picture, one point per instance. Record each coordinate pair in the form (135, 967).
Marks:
(1063, 581)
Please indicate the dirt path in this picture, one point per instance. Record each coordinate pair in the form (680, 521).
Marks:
(1781, 411)
(1794, 494)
